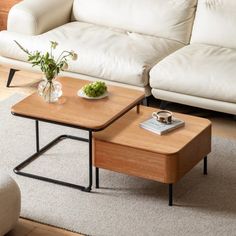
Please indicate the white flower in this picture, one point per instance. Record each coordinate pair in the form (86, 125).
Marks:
(74, 56)
(54, 44)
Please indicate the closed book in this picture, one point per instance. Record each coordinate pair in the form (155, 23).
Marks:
(161, 128)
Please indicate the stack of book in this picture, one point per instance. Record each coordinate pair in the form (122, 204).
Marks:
(161, 128)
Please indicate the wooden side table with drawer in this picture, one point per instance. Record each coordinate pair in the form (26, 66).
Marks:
(127, 148)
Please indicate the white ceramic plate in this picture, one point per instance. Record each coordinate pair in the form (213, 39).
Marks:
(81, 93)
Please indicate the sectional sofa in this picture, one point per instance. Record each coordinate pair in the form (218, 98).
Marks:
(178, 50)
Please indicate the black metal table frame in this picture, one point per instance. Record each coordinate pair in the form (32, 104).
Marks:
(40, 151)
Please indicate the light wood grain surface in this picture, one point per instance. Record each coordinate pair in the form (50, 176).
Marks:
(128, 132)
(127, 148)
(77, 111)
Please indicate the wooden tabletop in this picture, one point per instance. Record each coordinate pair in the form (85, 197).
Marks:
(79, 112)
(126, 131)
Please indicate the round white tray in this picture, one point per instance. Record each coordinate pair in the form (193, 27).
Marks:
(81, 93)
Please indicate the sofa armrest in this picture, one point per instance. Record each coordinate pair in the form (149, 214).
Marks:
(33, 17)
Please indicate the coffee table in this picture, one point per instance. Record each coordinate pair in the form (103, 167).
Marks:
(127, 148)
(76, 112)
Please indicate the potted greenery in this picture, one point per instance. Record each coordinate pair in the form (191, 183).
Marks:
(49, 88)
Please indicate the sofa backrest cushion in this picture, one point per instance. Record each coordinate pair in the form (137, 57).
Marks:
(171, 19)
(215, 23)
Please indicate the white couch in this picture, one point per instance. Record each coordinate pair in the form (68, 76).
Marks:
(117, 40)
(203, 74)
(185, 58)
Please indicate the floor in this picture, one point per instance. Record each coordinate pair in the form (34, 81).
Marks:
(30, 228)
(24, 82)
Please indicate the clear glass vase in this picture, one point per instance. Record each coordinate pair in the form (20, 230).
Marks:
(50, 90)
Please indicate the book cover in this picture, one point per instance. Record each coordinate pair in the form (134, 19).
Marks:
(161, 128)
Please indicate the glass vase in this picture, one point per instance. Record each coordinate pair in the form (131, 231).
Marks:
(50, 90)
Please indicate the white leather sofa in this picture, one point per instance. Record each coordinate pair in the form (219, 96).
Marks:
(162, 44)
(116, 40)
(203, 74)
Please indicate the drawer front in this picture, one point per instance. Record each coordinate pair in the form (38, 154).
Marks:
(129, 161)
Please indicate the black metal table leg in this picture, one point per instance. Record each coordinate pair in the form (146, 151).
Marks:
(88, 189)
(205, 166)
(97, 177)
(18, 169)
(37, 135)
(170, 194)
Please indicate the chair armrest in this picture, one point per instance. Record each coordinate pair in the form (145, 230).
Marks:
(33, 17)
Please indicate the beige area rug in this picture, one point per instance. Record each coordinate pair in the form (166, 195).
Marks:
(203, 205)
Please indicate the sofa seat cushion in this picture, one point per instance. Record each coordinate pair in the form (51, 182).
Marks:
(198, 70)
(106, 53)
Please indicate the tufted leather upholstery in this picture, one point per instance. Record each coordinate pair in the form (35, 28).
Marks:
(200, 70)
(118, 40)
(103, 52)
(202, 74)
(171, 19)
(36, 17)
(215, 23)
(122, 40)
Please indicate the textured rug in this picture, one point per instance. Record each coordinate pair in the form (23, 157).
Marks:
(203, 205)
